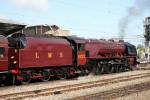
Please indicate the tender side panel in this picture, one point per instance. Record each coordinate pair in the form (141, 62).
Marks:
(42, 52)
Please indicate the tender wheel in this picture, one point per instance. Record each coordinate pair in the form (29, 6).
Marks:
(46, 76)
(26, 78)
(62, 74)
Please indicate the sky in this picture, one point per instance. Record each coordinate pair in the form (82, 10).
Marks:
(84, 18)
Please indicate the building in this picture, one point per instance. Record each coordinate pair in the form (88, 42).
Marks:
(45, 29)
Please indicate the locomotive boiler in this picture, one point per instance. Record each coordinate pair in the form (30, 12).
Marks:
(110, 56)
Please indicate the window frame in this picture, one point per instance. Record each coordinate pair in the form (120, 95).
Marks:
(2, 52)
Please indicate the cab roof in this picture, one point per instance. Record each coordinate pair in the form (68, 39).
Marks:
(77, 39)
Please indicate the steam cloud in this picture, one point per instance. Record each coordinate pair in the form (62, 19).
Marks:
(138, 9)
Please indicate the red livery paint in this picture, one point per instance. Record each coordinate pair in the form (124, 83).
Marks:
(81, 58)
(3, 54)
(45, 52)
(100, 49)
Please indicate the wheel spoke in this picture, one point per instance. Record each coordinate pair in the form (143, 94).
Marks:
(26, 78)
(46, 76)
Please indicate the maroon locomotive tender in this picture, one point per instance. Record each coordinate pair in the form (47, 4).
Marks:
(23, 58)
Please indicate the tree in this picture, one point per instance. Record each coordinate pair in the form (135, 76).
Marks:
(140, 51)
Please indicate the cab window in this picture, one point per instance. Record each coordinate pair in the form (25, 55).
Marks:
(2, 50)
(81, 47)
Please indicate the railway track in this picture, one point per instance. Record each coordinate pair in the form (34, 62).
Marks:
(144, 66)
(115, 93)
(69, 88)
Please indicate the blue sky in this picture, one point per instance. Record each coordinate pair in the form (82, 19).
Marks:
(85, 18)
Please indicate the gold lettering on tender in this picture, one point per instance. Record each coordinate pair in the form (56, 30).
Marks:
(36, 55)
(49, 55)
(61, 55)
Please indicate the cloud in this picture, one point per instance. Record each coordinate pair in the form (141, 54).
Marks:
(40, 5)
(3, 17)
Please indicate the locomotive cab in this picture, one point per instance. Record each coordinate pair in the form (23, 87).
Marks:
(81, 59)
(79, 52)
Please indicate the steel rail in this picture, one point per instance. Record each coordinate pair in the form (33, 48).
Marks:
(69, 88)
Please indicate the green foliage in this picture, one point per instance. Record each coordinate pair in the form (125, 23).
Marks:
(140, 50)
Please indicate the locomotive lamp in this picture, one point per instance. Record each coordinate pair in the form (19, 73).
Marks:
(12, 57)
(14, 62)
(15, 50)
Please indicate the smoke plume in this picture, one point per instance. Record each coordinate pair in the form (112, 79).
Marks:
(139, 7)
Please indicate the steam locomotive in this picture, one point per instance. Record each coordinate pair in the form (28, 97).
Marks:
(26, 57)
